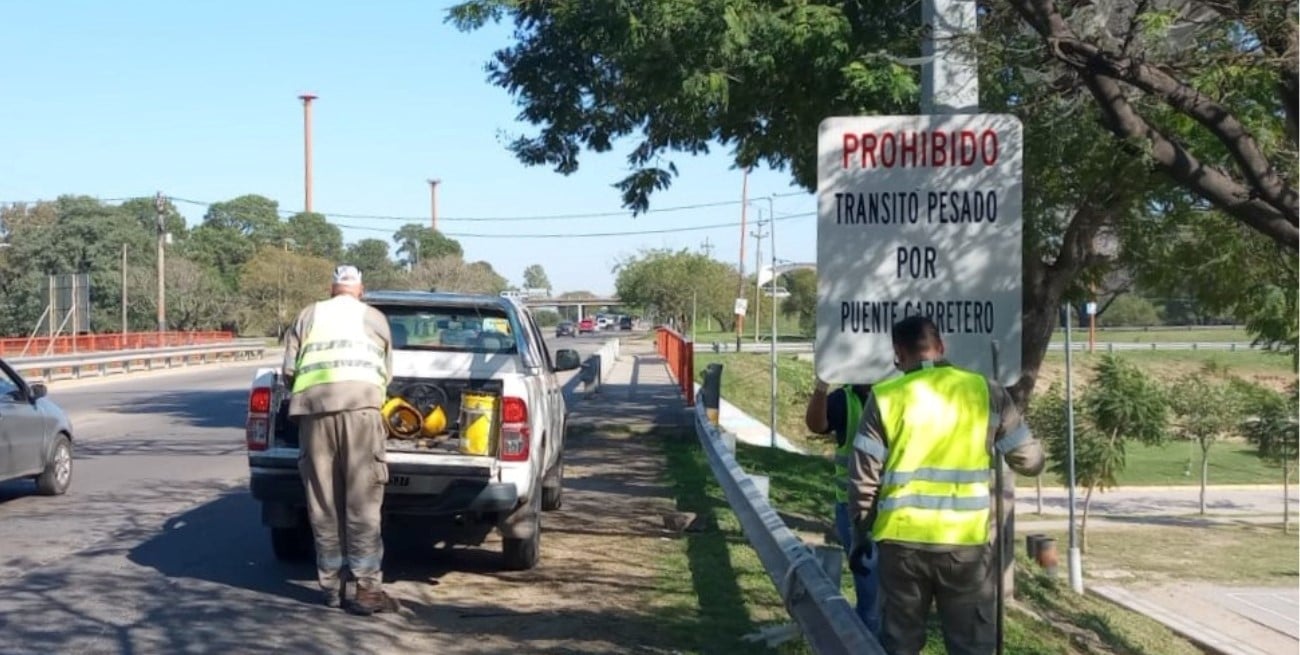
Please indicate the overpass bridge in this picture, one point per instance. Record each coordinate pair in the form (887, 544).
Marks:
(580, 303)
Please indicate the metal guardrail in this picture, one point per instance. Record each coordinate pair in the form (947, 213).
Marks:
(597, 366)
(811, 596)
(60, 367)
(1109, 346)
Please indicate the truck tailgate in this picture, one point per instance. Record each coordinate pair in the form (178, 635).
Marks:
(428, 473)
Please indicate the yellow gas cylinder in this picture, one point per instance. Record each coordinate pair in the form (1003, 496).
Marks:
(435, 423)
(478, 413)
(401, 418)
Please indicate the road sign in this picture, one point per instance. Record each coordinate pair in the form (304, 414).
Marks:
(1091, 308)
(918, 215)
(742, 305)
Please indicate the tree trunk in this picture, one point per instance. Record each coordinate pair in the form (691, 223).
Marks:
(1286, 498)
(1083, 528)
(1038, 487)
(1205, 471)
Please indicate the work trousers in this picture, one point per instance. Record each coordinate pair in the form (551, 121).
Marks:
(343, 466)
(960, 581)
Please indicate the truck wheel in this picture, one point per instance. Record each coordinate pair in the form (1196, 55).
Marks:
(57, 476)
(523, 554)
(291, 544)
(553, 488)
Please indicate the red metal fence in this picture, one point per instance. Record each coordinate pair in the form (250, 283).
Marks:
(86, 343)
(679, 352)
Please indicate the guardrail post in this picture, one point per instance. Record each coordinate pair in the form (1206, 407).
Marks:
(764, 485)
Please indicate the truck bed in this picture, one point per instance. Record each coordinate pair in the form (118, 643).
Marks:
(421, 392)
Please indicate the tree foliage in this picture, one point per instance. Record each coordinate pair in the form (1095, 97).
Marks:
(451, 273)
(758, 78)
(535, 277)
(1269, 423)
(1121, 404)
(1205, 409)
(666, 283)
(802, 301)
(416, 243)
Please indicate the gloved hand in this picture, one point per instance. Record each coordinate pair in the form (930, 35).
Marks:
(863, 556)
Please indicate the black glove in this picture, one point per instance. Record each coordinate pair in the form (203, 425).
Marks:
(861, 556)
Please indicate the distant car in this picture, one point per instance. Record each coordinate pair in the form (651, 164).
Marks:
(625, 323)
(586, 325)
(35, 435)
(565, 329)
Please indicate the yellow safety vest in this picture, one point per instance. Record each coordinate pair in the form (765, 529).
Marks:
(935, 483)
(338, 348)
(843, 454)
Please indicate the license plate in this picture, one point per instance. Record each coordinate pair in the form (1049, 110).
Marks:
(415, 484)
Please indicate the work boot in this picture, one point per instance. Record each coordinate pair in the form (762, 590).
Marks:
(373, 601)
(332, 598)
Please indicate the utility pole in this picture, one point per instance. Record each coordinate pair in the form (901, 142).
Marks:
(740, 279)
(772, 345)
(124, 324)
(707, 247)
(759, 235)
(433, 202)
(160, 206)
(306, 148)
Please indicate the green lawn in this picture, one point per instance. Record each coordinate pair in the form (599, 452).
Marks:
(745, 383)
(1139, 335)
(715, 590)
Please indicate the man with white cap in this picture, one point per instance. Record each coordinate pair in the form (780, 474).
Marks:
(338, 362)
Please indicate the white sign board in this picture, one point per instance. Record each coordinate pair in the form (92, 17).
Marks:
(1092, 308)
(918, 215)
(742, 305)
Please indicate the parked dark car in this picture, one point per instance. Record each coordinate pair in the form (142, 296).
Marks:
(565, 329)
(625, 323)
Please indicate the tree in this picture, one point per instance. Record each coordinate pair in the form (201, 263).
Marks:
(758, 77)
(1121, 404)
(1129, 310)
(670, 283)
(1205, 410)
(416, 243)
(802, 301)
(1270, 424)
(1203, 90)
(312, 235)
(276, 284)
(535, 278)
(253, 216)
(547, 318)
(577, 295)
(451, 273)
(371, 257)
(197, 299)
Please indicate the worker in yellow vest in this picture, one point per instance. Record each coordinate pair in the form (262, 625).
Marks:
(338, 363)
(839, 412)
(920, 481)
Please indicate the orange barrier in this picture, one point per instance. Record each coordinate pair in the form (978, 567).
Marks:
(679, 352)
(87, 343)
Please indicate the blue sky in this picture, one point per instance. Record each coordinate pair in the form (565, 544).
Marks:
(198, 99)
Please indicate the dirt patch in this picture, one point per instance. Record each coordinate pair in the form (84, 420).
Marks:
(603, 555)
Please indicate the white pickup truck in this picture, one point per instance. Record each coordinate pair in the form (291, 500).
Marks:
(444, 345)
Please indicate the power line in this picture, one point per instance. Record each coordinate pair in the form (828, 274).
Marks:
(586, 235)
(507, 219)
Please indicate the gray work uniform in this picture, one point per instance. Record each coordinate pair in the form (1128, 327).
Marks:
(342, 458)
(960, 579)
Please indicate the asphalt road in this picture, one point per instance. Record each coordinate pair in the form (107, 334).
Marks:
(157, 547)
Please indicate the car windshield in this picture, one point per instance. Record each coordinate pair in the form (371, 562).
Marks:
(454, 329)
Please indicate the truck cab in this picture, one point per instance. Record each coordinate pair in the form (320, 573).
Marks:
(468, 357)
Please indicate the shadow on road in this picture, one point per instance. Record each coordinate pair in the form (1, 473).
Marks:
(225, 408)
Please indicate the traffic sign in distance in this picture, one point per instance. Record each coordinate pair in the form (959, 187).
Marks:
(918, 215)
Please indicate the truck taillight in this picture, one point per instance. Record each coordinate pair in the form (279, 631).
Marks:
(257, 429)
(259, 401)
(515, 434)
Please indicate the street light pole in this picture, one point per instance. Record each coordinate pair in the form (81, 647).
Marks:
(772, 346)
(1076, 559)
(160, 205)
(306, 148)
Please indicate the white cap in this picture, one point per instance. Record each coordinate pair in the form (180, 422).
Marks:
(347, 274)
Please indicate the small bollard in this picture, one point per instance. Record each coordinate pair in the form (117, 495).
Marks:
(711, 391)
(763, 483)
(1047, 556)
(1031, 544)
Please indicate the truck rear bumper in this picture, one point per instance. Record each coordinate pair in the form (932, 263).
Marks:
(284, 486)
